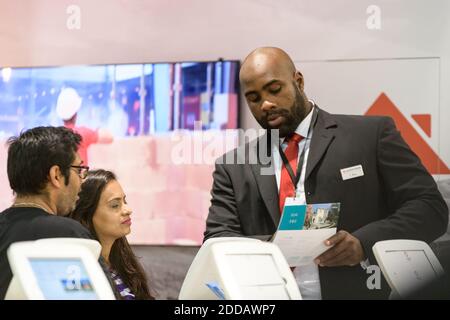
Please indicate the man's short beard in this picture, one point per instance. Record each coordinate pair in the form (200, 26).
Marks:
(293, 115)
(297, 114)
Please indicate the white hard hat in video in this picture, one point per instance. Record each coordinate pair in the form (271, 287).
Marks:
(69, 102)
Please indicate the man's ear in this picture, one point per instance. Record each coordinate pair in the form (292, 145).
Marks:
(298, 78)
(55, 177)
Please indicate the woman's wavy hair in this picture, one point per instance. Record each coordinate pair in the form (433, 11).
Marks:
(121, 257)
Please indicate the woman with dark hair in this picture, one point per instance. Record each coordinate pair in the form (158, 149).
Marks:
(103, 209)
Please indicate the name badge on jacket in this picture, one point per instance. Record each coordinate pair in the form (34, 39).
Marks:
(352, 172)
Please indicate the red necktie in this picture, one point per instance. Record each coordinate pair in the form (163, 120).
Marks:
(287, 188)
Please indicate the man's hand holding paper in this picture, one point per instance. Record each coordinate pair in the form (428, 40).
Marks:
(346, 250)
(303, 230)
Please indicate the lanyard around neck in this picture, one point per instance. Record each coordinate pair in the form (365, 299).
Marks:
(295, 178)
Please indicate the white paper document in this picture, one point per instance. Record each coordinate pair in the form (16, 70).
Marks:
(303, 230)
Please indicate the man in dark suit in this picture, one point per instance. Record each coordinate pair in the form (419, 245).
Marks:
(388, 195)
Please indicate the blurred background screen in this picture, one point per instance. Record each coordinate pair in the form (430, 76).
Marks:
(156, 117)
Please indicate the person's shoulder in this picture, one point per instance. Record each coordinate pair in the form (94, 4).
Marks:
(240, 154)
(60, 226)
(351, 118)
(5, 212)
(61, 223)
(357, 120)
(84, 129)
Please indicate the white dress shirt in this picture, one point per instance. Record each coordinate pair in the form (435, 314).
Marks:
(307, 276)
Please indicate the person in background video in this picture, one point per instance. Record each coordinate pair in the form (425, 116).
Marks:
(103, 209)
(45, 173)
(67, 106)
(389, 196)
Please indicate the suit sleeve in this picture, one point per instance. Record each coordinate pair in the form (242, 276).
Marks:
(419, 211)
(223, 219)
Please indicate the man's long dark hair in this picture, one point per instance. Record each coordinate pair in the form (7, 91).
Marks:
(121, 257)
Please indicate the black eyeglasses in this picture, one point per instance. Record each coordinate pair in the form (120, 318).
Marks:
(81, 170)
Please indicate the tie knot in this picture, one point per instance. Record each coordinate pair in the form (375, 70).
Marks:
(294, 138)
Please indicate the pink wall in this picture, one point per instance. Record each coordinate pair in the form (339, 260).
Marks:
(169, 201)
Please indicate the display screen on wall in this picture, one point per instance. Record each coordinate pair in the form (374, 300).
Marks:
(128, 99)
(148, 109)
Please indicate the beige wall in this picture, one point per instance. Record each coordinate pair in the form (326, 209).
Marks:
(34, 32)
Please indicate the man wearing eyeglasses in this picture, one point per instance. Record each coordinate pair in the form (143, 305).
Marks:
(45, 173)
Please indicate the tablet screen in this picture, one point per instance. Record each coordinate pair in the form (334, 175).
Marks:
(63, 279)
(409, 269)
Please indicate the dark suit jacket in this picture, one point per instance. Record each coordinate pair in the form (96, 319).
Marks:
(395, 199)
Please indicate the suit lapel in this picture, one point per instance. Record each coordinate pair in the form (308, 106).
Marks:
(321, 139)
(267, 183)
(265, 179)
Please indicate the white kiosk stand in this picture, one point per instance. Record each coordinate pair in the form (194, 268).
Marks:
(407, 265)
(239, 269)
(57, 269)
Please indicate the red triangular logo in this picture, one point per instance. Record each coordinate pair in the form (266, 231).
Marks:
(424, 121)
(385, 107)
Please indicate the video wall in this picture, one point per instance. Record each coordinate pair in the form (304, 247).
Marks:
(149, 110)
(128, 99)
